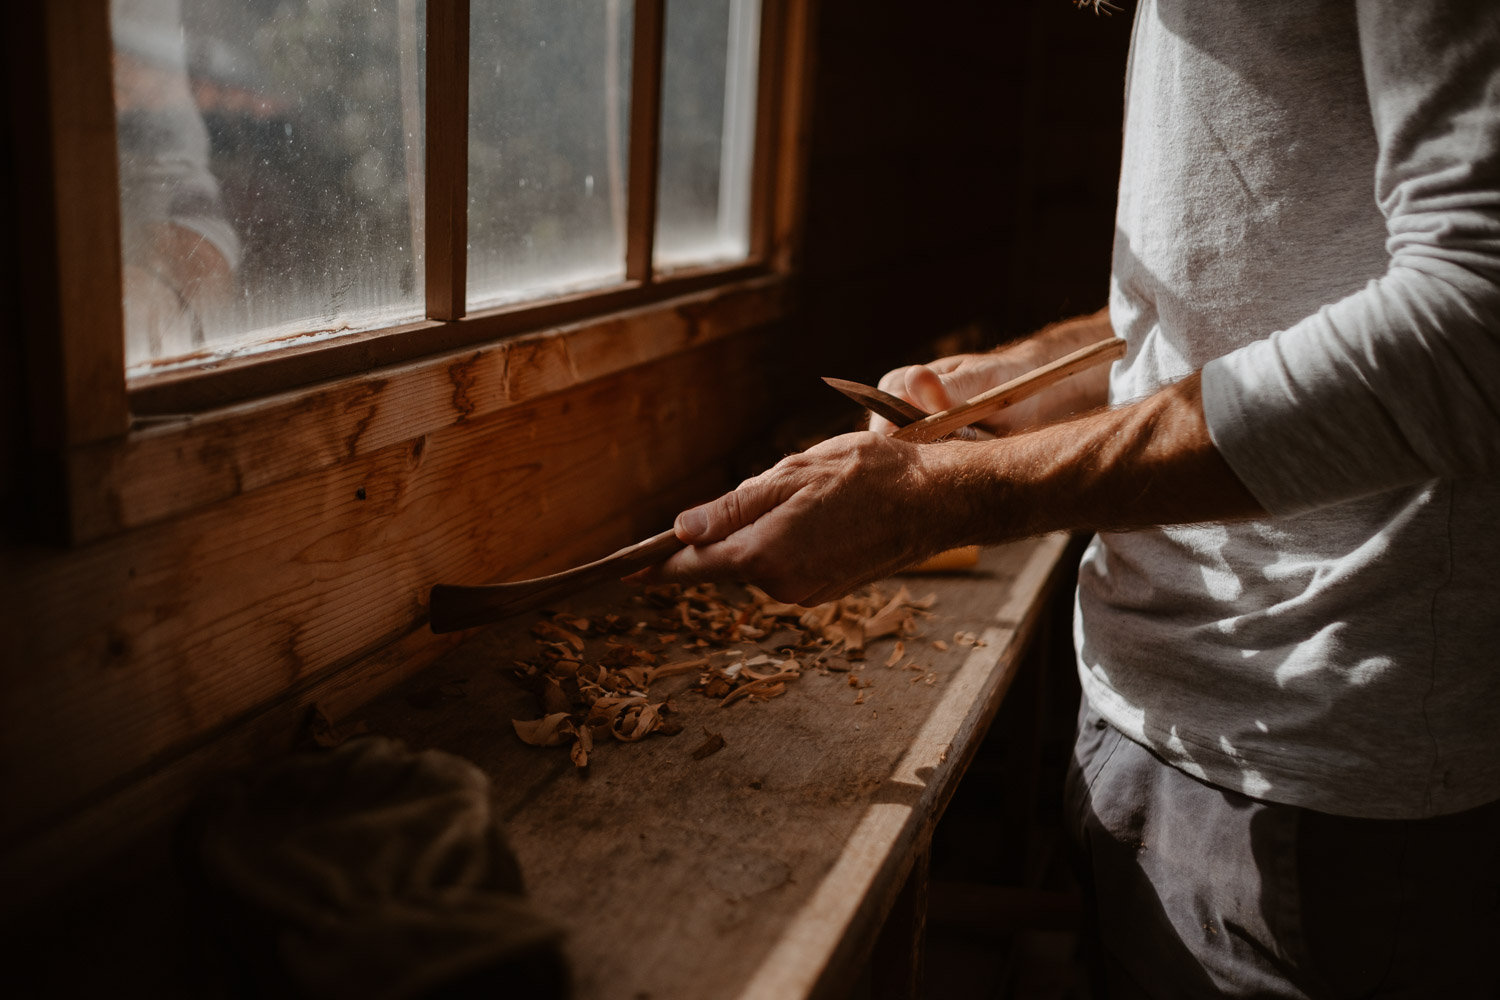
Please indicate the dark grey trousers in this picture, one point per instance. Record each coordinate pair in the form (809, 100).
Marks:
(1202, 892)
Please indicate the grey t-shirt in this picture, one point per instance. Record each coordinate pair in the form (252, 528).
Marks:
(1310, 212)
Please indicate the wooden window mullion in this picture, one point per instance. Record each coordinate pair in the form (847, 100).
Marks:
(447, 160)
(76, 318)
(786, 181)
(645, 137)
(767, 100)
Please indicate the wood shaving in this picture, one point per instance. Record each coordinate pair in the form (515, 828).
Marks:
(967, 639)
(582, 747)
(548, 731)
(710, 746)
(765, 687)
(940, 645)
(673, 669)
(601, 689)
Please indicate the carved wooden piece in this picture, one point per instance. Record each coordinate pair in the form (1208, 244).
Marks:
(1017, 389)
(893, 408)
(879, 402)
(452, 608)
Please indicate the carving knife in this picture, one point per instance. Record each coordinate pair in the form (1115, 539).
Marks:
(890, 406)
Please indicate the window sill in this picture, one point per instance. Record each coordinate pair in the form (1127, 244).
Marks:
(170, 464)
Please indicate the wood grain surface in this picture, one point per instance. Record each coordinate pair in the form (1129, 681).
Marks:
(648, 36)
(80, 341)
(123, 654)
(766, 869)
(446, 204)
(175, 466)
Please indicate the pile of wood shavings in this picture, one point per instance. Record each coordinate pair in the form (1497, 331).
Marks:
(587, 695)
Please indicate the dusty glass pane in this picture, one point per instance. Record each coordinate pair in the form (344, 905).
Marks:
(549, 105)
(270, 164)
(707, 131)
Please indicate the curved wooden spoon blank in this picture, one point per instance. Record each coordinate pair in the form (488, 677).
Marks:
(893, 408)
(879, 402)
(451, 607)
(933, 427)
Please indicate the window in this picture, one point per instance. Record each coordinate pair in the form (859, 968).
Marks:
(707, 131)
(282, 189)
(270, 164)
(549, 119)
(242, 218)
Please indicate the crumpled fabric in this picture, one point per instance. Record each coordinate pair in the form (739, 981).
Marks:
(368, 871)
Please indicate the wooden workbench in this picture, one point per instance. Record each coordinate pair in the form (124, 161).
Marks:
(768, 869)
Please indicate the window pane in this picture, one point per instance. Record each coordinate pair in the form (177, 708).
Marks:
(707, 131)
(549, 103)
(270, 171)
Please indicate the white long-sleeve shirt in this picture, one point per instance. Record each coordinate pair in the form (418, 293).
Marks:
(1310, 212)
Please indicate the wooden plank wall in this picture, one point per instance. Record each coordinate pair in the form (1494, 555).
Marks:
(12, 390)
(964, 159)
(122, 655)
(935, 134)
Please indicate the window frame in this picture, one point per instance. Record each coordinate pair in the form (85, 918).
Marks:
(87, 413)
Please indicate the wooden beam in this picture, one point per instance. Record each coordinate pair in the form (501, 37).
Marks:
(173, 467)
(793, 125)
(70, 205)
(225, 381)
(447, 202)
(896, 963)
(768, 79)
(645, 137)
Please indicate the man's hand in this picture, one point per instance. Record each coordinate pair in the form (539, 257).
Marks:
(862, 506)
(947, 382)
(851, 510)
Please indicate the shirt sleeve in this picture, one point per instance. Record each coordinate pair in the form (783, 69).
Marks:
(164, 148)
(1398, 383)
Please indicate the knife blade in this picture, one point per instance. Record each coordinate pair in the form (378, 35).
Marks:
(892, 407)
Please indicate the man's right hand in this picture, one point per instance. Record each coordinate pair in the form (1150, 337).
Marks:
(946, 382)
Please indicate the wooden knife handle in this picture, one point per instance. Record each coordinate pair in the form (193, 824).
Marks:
(939, 424)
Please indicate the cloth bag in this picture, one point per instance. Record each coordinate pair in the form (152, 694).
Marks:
(368, 871)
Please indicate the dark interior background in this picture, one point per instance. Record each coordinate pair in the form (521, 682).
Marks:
(964, 158)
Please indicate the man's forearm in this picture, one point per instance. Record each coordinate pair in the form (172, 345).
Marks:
(1145, 464)
(860, 506)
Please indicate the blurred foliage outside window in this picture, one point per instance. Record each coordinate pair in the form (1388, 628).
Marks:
(707, 131)
(549, 113)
